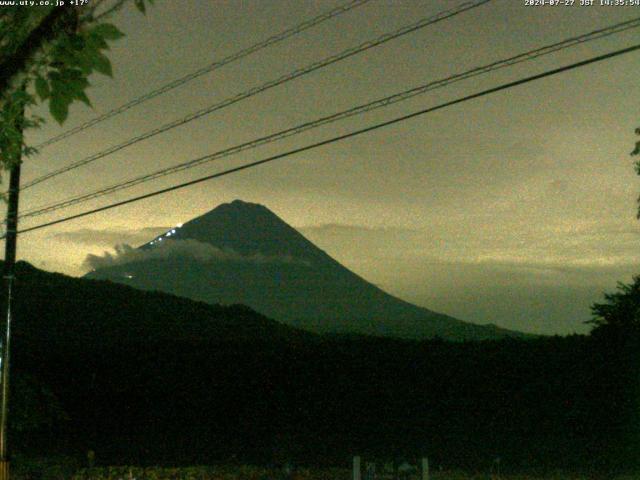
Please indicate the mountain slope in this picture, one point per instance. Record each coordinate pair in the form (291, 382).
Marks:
(243, 253)
(83, 312)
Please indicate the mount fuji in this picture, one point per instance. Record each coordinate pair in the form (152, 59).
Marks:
(242, 253)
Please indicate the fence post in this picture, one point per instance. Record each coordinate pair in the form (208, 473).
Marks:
(425, 468)
(356, 468)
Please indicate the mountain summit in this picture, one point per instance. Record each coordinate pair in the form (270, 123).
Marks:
(243, 253)
(249, 229)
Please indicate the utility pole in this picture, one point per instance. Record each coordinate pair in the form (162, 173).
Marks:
(52, 22)
(9, 277)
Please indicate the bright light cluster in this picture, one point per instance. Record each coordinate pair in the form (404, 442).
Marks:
(168, 234)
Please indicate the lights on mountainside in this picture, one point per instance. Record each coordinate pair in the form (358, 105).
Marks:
(173, 231)
(127, 275)
(170, 233)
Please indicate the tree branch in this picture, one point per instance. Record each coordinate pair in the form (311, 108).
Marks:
(46, 30)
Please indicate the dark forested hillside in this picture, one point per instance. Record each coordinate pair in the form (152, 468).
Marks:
(144, 377)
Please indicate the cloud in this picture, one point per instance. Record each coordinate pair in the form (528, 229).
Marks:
(557, 187)
(104, 237)
(191, 249)
(552, 246)
(538, 297)
(348, 243)
(344, 229)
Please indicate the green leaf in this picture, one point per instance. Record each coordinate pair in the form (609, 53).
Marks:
(29, 151)
(76, 41)
(72, 80)
(59, 89)
(66, 51)
(85, 61)
(59, 108)
(42, 88)
(140, 5)
(71, 74)
(102, 64)
(107, 31)
(95, 42)
(83, 98)
(76, 91)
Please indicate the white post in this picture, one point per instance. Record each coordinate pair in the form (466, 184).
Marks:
(425, 468)
(356, 468)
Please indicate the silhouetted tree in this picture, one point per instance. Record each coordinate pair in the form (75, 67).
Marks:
(621, 309)
(636, 151)
(615, 350)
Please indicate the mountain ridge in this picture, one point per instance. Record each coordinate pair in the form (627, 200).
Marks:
(242, 252)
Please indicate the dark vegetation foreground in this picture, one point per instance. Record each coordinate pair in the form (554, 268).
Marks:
(148, 378)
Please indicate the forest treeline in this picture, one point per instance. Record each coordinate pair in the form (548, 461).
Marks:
(149, 378)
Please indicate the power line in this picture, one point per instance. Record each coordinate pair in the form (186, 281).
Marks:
(371, 128)
(266, 86)
(279, 37)
(379, 103)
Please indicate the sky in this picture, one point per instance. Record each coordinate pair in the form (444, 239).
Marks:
(517, 208)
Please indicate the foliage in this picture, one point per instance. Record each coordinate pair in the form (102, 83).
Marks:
(48, 470)
(62, 77)
(141, 6)
(56, 71)
(241, 472)
(12, 124)
(43, 468)
(36, 407)
(636, 151)
(621, 310)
